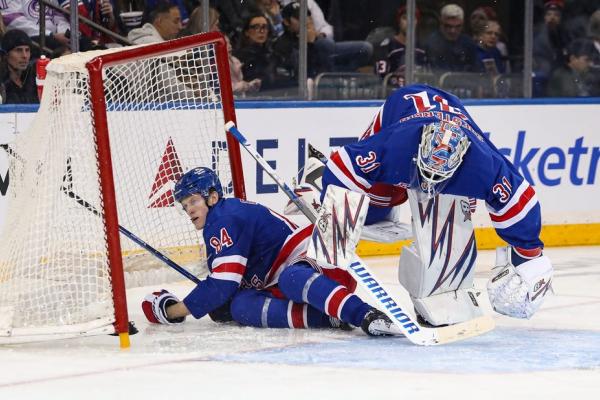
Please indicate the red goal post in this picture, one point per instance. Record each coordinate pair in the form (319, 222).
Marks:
(115, 129)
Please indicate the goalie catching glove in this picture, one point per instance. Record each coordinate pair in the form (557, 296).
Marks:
(519, 291)
(155, 308)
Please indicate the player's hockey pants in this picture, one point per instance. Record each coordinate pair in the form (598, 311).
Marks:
(310, 298)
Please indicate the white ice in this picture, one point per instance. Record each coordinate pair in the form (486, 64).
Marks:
(555, 355)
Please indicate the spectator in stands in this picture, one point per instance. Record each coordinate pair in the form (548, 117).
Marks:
(477, 19)
(481, 15)
(18, 75)
(594, 34)
(164, 23)
(571, 80)
(239, 85)
(344, 56)
(24, 15)
(286, 47)
(194, 25)
(183, 12)
(102, 12)
(549, 44)
(391, 52)
(254, 51)
(448, 48)
(272, 11)
(233, 15)
(489, 58)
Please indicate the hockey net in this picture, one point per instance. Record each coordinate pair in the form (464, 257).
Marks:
(162, 108)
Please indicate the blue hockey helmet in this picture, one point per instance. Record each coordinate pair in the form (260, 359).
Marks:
(441, 151)
(199, 180)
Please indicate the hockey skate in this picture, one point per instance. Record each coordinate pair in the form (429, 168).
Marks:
(339, 324)
(377, 323)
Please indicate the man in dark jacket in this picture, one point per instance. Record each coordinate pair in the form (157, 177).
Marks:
(449, 49)
(286, 46)
(18, 75)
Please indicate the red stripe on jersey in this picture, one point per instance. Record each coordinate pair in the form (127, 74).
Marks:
(528, 253)
(517, 208)
(396, 194)
(335, 301)
(368, 132)
(298, 315)
(337, 160)
(236, 268)
(288, 221)
(374, 126)
(377, 126)
(287, 249)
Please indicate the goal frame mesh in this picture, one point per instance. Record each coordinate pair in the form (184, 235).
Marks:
(95, 68)
(97, 85)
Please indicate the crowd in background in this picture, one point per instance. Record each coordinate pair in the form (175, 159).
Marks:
(367, 37)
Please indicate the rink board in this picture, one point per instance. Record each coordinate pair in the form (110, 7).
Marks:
(554, 144)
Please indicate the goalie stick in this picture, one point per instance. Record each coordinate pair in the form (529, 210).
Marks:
(393, 308)
(67, 189)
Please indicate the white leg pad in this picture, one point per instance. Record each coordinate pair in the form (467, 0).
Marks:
(450, 307)
(437, 268)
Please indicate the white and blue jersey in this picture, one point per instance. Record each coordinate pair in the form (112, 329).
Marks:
(247, 245)
(387, 151)
(257, 263)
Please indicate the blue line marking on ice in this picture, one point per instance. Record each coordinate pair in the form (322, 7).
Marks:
(503, 350)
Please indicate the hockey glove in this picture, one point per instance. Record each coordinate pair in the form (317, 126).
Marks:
(519, 291)
(155, 308)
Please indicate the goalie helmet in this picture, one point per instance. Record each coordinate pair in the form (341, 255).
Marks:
(199, 180)
(443, 145)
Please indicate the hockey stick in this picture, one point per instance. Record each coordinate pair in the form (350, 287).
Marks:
(394, 309)
(66, 189)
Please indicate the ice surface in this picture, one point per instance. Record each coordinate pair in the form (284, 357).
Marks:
(555, 355)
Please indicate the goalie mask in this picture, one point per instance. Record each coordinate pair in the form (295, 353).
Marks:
(199, 180)
(441, 151)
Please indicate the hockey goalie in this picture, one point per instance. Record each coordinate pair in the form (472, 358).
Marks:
(424, 149)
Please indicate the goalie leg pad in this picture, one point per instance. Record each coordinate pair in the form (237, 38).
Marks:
(437, 269)
(450, 307)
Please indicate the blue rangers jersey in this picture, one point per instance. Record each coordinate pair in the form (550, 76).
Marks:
(387, 150)
(247, 245)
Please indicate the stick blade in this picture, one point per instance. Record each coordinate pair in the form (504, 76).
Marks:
(464, 330)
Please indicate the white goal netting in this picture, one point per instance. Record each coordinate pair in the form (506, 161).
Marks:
(165, 116)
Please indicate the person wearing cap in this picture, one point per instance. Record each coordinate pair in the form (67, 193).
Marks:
(339, 56)
(18, 74)
(448, 48)
(390, 54)
(24, 15)
(286, 47)
(549, 45)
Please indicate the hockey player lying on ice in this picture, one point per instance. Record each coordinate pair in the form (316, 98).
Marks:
(259, 274)
(422, 143)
